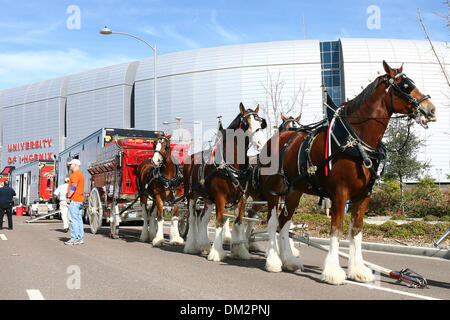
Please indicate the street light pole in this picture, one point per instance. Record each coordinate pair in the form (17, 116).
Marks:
(106, 30)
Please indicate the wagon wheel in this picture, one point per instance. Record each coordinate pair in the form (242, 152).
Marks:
(95, 211)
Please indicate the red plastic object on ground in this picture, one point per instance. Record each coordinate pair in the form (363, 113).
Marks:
(19, 211)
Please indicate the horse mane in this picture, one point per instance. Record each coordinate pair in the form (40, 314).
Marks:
(361, 98)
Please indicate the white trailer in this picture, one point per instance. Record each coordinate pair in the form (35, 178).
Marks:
(33, 184)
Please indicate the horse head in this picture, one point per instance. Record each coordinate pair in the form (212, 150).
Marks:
(290, 123)
(406, 97)
(162, 149)
(253, 124)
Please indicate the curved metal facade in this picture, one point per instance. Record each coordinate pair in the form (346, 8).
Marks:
(201, 84)
(30, 115)
(99, 98)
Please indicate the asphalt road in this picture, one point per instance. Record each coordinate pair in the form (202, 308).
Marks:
(35, 264)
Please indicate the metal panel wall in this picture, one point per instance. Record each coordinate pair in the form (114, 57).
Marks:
(363, 63)
(201, 84)
(99, 98)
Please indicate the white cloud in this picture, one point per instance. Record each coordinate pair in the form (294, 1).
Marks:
(22, 68)
(222, 31)
(33, 36)
(152, 32)
(170, 32)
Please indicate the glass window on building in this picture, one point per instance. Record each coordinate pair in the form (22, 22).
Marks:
(330, 54)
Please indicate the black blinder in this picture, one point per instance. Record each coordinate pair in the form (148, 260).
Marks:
(263, 123)
(407, 85)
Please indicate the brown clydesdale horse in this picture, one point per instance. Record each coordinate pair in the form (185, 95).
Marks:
(220, 179)
(160, 179)
(288, 123)
(313, 164)
(255, 189)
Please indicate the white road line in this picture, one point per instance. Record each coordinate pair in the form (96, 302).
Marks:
(3, 237)
(35, 294)
(370, 286)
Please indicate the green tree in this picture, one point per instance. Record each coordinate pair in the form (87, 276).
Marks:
(403, 146)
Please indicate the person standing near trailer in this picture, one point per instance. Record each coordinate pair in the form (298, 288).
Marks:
(61, 194)
(75, 199)
(6, 202)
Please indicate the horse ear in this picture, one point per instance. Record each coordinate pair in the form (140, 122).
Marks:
(298, 118)
(158, 134)
(257, 108)
(283, 117)
(169, 136)
(388, 69)
(401, 68)
(242, 108)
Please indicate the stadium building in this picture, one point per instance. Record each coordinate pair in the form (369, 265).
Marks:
(41, 119)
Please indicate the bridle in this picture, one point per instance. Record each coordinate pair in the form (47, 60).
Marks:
(244, 123)
(404, 89)
(295, 124)
(166, 150)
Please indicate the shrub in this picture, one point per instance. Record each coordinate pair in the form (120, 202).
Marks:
(382, 203)
(388, 226)
(430, 218)
(424, 200)
(308, 205)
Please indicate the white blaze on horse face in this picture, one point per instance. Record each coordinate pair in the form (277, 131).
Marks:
(157, 158)
(258, 137)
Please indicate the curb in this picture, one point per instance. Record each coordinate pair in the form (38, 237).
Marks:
(412, 250)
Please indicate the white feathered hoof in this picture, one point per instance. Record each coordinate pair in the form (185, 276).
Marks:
(151, 235)
(333, 274)
(216, 255)
(226, 235)
(204, 248)
(273, 263)
(190, 248)
(239, 251)
(158, 241)
(293, 264)
(145, 237)
(295, 251)
(176, 240)
(360, 273)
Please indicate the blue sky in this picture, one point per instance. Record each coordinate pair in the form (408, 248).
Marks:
(36, 43)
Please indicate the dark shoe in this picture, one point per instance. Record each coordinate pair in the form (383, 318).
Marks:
(66, 230)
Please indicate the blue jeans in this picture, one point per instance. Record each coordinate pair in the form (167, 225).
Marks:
(76, 221)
